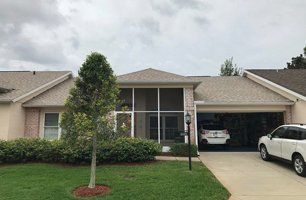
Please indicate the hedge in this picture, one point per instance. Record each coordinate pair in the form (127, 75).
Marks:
(39, 150)
(181, 149)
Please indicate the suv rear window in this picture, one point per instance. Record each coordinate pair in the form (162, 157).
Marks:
(213, 127)
(303, 134)
(292, 133)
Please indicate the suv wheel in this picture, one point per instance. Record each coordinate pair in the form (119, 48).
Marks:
(264, 153)
(299, 165)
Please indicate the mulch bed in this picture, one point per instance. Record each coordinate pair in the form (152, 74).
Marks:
(85, 191)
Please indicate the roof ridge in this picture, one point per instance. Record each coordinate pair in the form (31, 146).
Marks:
(150, 68)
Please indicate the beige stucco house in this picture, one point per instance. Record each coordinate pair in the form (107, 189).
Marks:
(250, 105)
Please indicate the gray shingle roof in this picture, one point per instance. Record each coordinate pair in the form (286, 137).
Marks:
(292, 79)
(154, 76)
(55, 96)
(23, 82)
(234, 89)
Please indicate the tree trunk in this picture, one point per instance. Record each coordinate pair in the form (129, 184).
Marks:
(92, 183)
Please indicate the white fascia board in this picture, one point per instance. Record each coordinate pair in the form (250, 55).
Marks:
(241, 103)
(42, 87)
(276, 85)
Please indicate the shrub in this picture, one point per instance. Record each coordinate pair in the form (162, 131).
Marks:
(181, 149)
(39, 150)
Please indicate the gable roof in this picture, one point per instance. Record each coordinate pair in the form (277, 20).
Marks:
(23, 83)
(55, 96)
(153, 76)
(292, 79)
(235, 90)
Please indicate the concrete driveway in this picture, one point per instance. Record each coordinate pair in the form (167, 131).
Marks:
(247, 177)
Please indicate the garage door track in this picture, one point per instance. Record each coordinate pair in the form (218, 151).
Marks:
(247, 177)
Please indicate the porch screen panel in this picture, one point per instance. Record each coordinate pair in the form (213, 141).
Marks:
(171, 99)
(126, 97)
(146, 99)
(146, 125)
(172, 125)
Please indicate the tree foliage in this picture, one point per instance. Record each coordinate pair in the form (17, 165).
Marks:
(230, 69)
(298, 62)
(87, 109)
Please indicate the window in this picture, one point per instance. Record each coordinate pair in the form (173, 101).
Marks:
(51, 126)
(279, 133)
(303, 134)
(292, 133)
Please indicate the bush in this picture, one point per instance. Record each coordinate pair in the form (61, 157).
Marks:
(39, 150)
(181, 149)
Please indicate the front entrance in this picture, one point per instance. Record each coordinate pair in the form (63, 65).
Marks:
(170, 126)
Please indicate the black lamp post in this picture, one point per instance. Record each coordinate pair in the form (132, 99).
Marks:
(188, 122)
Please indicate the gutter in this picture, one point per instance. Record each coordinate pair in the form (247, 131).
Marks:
(42, 87)
(245, 103)
(276, 85)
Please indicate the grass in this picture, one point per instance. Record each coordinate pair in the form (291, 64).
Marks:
(159, 180)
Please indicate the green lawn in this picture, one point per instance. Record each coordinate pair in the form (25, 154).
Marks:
(159, 180)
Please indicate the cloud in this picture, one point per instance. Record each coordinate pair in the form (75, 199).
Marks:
(180, 36)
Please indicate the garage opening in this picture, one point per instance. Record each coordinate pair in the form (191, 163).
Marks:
(243, 129)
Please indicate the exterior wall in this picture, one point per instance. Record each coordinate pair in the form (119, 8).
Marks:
(4, 120)
(32, 122)
(42, 117)
(189, 107)
(17, 121)
(298, 110)
(11, 121)
(288, 115)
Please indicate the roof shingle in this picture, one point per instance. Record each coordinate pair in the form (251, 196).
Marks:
(292, 79)
(23, 82)
(234, 89)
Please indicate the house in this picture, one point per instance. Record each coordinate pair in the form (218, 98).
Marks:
(249, 106)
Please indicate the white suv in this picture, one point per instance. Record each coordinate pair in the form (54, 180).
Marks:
(287, 142)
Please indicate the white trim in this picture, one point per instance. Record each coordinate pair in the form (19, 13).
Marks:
(41, 87)
(185, 125)
(276, 85)
(195, 124)
(243, 103)
(158, 115)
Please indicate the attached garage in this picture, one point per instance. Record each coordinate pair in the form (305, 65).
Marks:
(244, 108)
(244, 128)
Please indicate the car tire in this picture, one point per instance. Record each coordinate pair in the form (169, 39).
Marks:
(264, 153)
(299, 165)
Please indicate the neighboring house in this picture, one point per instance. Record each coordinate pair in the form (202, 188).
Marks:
(31, 103)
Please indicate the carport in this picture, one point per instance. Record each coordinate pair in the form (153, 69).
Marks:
(246, 109)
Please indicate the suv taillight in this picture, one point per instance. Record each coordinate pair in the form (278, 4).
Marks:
(226, 131)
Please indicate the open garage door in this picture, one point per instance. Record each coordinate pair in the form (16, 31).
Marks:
(244, 129)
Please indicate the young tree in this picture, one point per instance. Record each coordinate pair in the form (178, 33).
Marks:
(87, 109)
(298, 62)
(229, 69)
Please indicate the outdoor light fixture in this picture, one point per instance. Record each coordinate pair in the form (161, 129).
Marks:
(188, 122)
(188, 119)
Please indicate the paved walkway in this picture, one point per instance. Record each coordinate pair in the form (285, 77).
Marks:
(247, 177)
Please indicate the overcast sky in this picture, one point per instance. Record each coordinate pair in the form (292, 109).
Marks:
(188, 37)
